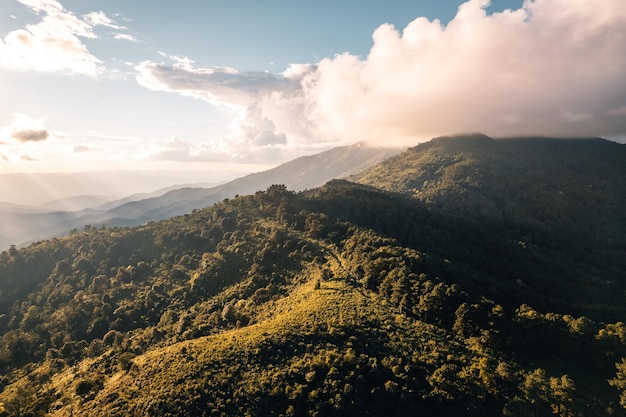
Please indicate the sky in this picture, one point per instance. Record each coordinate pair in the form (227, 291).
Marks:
(230, 87)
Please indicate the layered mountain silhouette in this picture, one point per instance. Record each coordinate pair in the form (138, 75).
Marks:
(20, 224)
(465, 276)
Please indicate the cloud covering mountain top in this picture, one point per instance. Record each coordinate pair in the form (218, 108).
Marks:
(552, 67)
(111, 88)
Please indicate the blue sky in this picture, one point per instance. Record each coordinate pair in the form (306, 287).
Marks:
(252, 35)
(239, 86)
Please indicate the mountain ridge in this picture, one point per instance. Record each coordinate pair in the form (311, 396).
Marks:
(339, 300)
(338, 162)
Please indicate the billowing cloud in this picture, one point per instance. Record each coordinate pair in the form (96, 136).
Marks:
(268, 107)
(54, 44)
(552, 67)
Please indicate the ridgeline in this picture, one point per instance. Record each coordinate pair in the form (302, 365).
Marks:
(465, 276)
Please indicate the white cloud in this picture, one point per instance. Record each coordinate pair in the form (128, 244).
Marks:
(126, 37)
(54, 44)
(21, 140)
(181, 61)
(100, 19)
(217, 85)
(552, 67)
(24, 128)
(267, 107)
(259, 131)
(47, 6)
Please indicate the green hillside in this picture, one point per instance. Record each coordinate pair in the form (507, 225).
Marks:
(561, 201)
(448, 282)
(573, 186)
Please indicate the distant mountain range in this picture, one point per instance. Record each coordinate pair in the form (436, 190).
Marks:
(21, 224)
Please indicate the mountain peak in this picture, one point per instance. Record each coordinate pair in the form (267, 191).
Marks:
(475, 138)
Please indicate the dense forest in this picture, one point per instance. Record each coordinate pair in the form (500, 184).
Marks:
(465, 276)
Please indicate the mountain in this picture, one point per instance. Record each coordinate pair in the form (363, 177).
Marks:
(77, 203)
(36, 189)
(431, 286)
(111, 204)
(107, 202)
(545, 194)
(297, 175)
(310, 171)
(510, 178)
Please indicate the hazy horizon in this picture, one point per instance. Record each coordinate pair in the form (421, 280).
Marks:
(40, 189)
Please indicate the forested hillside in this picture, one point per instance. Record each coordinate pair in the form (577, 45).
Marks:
(465, 276)
(560, 200)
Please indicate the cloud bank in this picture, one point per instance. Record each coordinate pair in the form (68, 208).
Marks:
(552, 67)
(267, 108)
(54, 44)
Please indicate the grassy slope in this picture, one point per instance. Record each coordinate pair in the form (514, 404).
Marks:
(256, 368)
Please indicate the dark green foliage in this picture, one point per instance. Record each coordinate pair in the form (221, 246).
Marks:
(487, 280)
(537, 212)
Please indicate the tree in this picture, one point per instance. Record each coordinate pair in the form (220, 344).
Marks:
(619, 381)
(562, 390)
